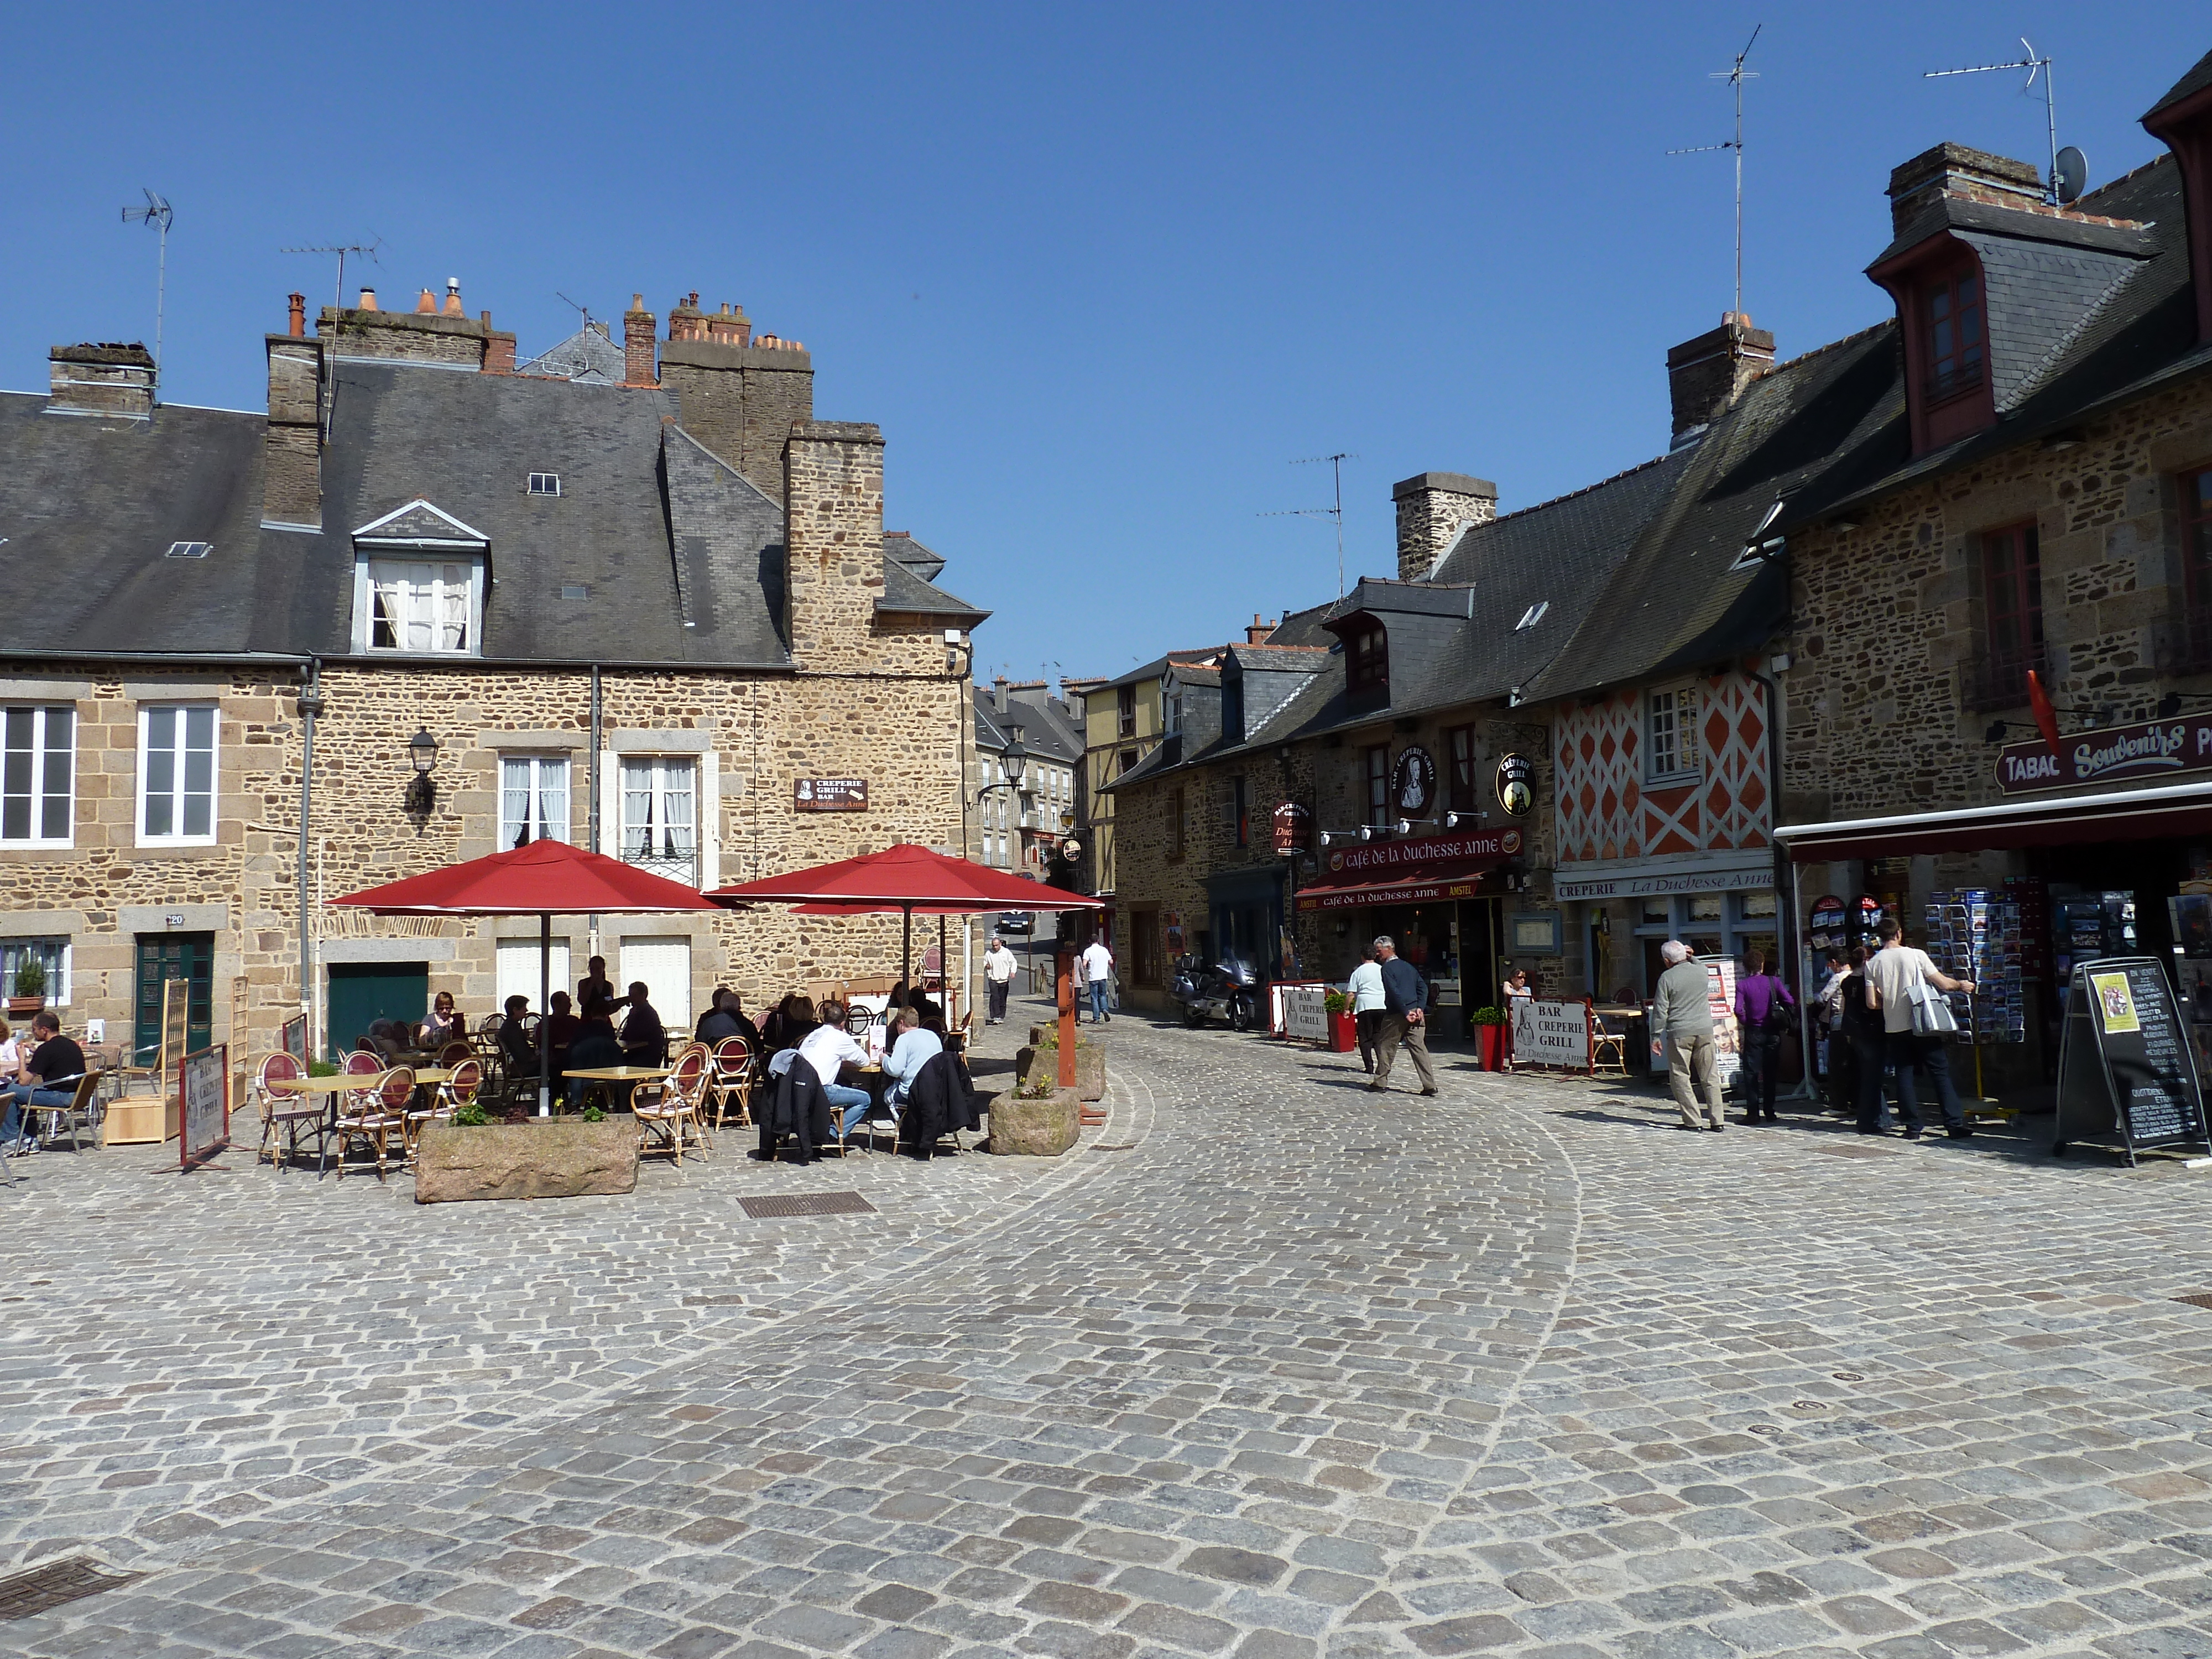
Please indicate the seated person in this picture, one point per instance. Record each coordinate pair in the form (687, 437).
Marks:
(515, 1048)
(714, 1007)
(593, 1047)
(644, 1040)
(915, 1047)
(792, 1019)
(559, 1030)
(725, 1020)
(444, 1025)
(828, 1048)
(48, 1077)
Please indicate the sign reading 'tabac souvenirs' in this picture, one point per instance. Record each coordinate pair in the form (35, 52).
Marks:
(2151, 749)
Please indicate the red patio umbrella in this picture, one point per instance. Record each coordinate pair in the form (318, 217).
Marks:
(906, 878)
(545, 878)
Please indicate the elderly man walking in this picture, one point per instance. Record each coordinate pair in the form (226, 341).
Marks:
(1404, 1019)
(1682, 1016)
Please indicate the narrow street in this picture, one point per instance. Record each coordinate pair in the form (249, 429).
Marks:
(1266, 1368)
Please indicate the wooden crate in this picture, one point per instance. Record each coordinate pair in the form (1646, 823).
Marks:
(140, 1120)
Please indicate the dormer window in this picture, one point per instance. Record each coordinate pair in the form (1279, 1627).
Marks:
(1367, 657)
(1956, 340)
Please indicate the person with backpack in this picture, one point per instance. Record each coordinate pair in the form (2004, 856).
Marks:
(1764, 1008)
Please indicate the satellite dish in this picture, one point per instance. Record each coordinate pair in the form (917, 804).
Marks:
(2072, 175)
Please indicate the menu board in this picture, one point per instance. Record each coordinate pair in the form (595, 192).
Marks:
(2126, 1067)
(205, 1082)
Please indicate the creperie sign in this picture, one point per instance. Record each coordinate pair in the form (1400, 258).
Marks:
(1431, 855)
(2151, 749)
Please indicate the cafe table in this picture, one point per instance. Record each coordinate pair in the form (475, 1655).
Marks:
(632, 1075)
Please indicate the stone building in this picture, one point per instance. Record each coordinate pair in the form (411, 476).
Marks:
(1021, 824)
(622, 615)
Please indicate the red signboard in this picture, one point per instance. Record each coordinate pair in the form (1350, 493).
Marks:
(830, 794)
(1428, 856)
(1293, 825)
(2150, 749)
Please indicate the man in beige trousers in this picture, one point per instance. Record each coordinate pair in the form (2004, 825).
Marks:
(1682, 1018)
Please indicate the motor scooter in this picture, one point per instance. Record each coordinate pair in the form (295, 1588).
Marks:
(1228, 990)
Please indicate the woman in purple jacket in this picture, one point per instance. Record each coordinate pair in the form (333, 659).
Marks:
(1763, 1007)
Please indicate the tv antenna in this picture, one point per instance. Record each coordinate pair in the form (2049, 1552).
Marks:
(583, 311)
(1735, 74)
(367, 249)
(2032, 64)
(1336, 468)
(158, 214)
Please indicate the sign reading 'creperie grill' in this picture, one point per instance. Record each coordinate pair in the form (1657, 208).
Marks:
(2153, 749)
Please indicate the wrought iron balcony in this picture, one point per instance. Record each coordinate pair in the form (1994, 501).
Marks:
(675, 866)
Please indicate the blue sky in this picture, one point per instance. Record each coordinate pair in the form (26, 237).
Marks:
(1100, 274)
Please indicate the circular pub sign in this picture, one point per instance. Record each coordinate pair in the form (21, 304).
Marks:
(1414, 782)
(1515, 793)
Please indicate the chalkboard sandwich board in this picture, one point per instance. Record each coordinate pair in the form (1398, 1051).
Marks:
(2127, 1072)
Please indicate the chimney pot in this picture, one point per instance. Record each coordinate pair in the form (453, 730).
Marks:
(299, 317)
(639, 368)
(454, 297)
(368, 299)
(426, 301)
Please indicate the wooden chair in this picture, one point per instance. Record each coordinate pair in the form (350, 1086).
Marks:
(1608, 1049)
(77, 1112)
(732, 1083)
(457, 1091)
(665, 1109)
(858, 1022)
(286, 1106)
(455, 1052)
(359, 1113)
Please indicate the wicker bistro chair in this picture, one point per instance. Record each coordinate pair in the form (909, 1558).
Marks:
(369, 1113)
(732, 1083)
(666, 1110)
(1608, 1049)
(454, 1052)
(283, 1107)
(458, 1089)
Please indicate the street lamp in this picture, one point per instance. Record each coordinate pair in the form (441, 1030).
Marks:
(1013, 758)
(422, 793)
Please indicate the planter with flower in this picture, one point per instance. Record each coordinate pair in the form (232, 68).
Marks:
(28, 993)
(1489, 1024)
(1343, 1024)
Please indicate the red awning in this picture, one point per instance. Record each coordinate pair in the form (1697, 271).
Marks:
(546, 878)
(904, 878)
(2125, 815)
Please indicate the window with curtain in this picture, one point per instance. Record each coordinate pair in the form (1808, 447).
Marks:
(36, 767)
(176, 772)
(421, 607)
(533, 799)
(659, 816)
(1374, 762)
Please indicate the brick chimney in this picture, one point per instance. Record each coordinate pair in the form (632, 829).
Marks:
(1431, 507)
(292, 439)
(637, 345)
(1257, 633)
(498, 348)
(1706, 374)
(834, 535)
(728, 326)
(737, 392)
(112, 381)
(1972, 175)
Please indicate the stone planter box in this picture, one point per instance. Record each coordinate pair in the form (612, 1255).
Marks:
(1040, 1062)
(1036, 1128)
(544, 1158)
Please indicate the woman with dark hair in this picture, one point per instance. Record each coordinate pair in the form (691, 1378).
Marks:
(1862, 1030)
(445, 1025)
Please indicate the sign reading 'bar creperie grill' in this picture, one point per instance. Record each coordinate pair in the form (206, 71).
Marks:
(2152, 749)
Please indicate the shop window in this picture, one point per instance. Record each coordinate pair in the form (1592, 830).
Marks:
(1375, 760)
(1367, 659)
(35, 774)
(1175, 822)
(1953, 334)
(1705, 906)
(1657, 912)
(2012, 608)
(1670, 733)
(1459, 782)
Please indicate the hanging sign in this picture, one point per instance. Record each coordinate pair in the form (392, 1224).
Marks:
(1293, 828)
(1516, 793)
(1414, 782)
(2150, 749)
(830, 794)
(2126, 1068)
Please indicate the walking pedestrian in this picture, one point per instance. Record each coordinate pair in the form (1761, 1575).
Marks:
(1404, 1018)
(1896, 968)
(1098, 972)
(998, 978)
(1841, 1072)
(1862, 1032)
(1763, 1006)
(1682, 1013)
(1365, 988)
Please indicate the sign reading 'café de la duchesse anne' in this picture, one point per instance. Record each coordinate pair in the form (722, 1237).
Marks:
(1426, 855)
(2117, 754)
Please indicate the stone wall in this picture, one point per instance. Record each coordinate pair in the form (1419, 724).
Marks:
(741, 401)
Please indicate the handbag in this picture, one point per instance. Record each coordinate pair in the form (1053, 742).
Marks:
(1931, 1011)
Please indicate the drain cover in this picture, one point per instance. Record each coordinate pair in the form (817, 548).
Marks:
(761, 1209)
(1847, 1376)
(25, 1594)
(2201, 1299)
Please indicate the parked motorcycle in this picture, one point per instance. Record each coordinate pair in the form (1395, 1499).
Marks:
(1228, 990)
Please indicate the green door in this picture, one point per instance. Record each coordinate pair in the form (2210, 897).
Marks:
(174, 956)
(364, 991)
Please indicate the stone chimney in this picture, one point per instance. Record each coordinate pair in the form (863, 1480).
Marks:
(1257, 633)
(1972, 175)
(738, 393)
(998, 694)
(112, 381)
(428, 334)
(637, 345)
(833, 490)
(292, 439)
(1706, 374)
(1431, 507)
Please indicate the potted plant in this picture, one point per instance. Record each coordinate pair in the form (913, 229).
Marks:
(1489, 1024)
(29, 990)
(1343, 1024)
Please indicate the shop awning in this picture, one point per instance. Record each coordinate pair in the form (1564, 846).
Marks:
(1359, 895)
(2181, 809)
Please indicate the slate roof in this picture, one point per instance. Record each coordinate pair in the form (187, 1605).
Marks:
(2196, 81)
(1047, 728)
(588, 355)
(909, 594)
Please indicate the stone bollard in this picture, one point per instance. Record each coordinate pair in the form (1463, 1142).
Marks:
(1042, 1128)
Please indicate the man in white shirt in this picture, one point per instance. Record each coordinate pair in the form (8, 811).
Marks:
(1098, 972)
(998, 978)
(828, 1048)
(1365, 989)
(913, 1047)
(1890, 975)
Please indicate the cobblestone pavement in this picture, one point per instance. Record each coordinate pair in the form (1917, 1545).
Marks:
(1517, 1370)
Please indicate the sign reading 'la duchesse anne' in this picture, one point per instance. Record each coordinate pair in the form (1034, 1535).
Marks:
(2150, 749)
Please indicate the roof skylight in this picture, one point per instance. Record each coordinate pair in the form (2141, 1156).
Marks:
(1533, 615)
(189, 550)
(544, 483)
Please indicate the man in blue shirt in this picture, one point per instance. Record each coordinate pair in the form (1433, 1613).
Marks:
(913, 1047)
(1404, 1018)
